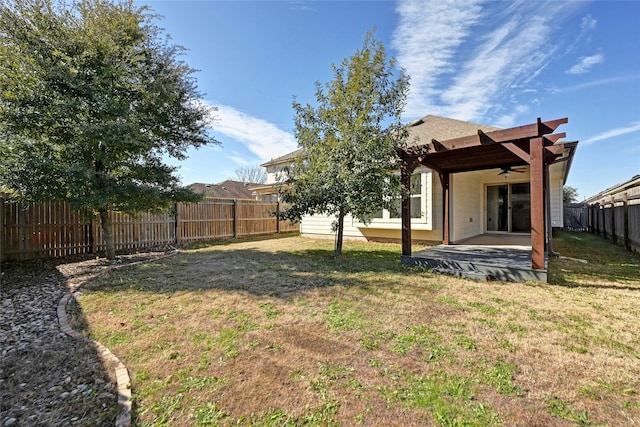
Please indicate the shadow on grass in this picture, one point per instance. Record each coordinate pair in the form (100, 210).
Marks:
(608, 266)
(48, 378)
(280, 272)
(201, 244)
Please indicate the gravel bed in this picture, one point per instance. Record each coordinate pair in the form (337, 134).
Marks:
(46, 377)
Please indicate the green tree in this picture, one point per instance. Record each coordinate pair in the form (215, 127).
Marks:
(569, 194)
(349, 140)
(92, 96)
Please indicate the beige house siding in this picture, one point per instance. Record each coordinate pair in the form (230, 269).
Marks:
(319, 226)
(556, 185)
(467, 197)
(556, 206)
(276, 173)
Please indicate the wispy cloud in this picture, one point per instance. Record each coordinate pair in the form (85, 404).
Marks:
(585, 64)
(595, 83)
(506, 56)
(468, 77)
(302, 6)
(261, 137)
(427, 38)
(240, 160)
(633, 127)
(587, 25)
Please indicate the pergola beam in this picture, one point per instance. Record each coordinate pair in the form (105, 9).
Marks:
(525, 132)
(437, 146)
(517, 151)
(556, 136)
(484, 138)
(545, 128)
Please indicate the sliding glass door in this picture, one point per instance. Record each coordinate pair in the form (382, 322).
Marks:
(509, 208)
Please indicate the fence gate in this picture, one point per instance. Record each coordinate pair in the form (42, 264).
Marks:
(576, 217)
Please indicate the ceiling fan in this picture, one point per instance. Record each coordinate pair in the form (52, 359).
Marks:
(507, 170)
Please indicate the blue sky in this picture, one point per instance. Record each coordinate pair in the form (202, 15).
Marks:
(492, 62)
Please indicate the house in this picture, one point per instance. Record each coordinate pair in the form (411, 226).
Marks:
(615, 213)
(465, 180)
(629, 189)
(228, 189)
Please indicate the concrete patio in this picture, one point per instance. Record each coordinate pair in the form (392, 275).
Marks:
(505, 257)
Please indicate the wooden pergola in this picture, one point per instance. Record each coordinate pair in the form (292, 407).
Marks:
(535, 145)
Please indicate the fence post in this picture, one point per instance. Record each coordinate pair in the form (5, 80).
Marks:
(614, 237)
(94, 234)
(603, 221)
(625, 214)
(235, 218)
(177, 223)
(600, 214)
(91, 236)
(278, 217)
(23, 230)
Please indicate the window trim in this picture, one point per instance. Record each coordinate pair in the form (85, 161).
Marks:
(425, 222)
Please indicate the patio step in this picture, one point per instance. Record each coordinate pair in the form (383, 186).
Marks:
(476, 270)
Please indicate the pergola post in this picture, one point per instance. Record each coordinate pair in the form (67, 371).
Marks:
(444, 177)
(405, 175)
(536, 151)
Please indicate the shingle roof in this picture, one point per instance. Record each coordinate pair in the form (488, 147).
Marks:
(631, 187)
(430, 127)
(421, 131)
(227, 189)
(287, 158)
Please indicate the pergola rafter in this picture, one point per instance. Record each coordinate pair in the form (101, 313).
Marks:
(534, 144)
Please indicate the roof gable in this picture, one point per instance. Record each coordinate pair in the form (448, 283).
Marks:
(287, 158)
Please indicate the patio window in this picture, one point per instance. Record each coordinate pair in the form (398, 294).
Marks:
(420, 199)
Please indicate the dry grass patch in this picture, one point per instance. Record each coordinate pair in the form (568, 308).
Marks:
(278, 332)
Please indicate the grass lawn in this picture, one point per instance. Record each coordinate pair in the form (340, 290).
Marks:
(278, 332)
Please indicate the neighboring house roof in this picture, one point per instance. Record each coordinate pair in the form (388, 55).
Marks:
(227, 189)
(631, 187)
(287, 158)
(421, 131)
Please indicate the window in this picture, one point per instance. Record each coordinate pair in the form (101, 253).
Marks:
(416, 199)
(420, 201)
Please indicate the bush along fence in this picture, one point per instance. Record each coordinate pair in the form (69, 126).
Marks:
(52, 229)
(617, 219)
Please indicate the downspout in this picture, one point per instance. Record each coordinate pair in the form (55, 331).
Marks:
(548, 224)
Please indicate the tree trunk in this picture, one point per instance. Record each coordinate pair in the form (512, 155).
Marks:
(340, 232)
(108, 234)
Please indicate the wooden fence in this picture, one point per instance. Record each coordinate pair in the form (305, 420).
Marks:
(617, 219)
(576, 217)
(52, 229)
